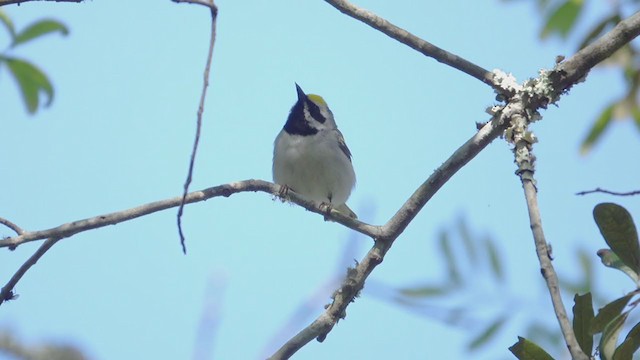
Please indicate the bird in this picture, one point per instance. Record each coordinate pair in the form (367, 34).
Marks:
(311, 157)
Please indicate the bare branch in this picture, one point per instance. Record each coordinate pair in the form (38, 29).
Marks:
(548, 272)
(570, 73)
(226, 190)
(207, 3)
(604, 191)
(413, 41)
(11, 226)
(9, 2)
(354, 282)
(7, 291)
(214, 15)
(576, 68)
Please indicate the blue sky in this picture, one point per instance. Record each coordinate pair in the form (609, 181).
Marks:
(119, 134)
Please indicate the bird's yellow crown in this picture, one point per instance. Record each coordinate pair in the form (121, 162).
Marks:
(317, 99)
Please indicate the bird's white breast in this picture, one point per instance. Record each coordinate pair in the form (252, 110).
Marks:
(314, 166)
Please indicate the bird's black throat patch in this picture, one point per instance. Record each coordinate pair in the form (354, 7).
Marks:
(296, 123)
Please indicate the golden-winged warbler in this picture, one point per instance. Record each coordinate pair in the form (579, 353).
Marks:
(310, 156)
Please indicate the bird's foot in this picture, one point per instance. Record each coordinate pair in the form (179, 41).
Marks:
(283, 192)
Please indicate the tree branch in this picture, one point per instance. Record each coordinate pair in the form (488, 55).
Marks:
(9, 2)
(413, 41)
(214, 15)
(548, 272)
(604, 191)
(355, 279)
(517, 108)
(11, 226)
(7, 291)
(226, 190)
(573, 70)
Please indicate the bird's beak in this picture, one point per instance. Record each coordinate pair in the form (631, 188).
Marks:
(301, 95)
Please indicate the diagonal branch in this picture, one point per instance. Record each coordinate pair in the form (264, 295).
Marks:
(214, 16)
(354, 282)
(11, 226)
(573, 70)
(225, 190)
(7, 291)
(567, 74)
(9, 2)
(413, 41)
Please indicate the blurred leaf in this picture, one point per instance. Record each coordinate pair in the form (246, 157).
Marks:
(597, 129)
(586, 263)
(582, 319)
(610, 259)
(562, 19)
(609, 339)
(635, 113)
(600, 29)
(609, 312)
(449, 258)
(425, 291)
(6, 21)
(526, 350)
(630, 344)
(487, 334)
(617, 228)
(31, 81)
(494, 258)
(468, 241)
(38, 29)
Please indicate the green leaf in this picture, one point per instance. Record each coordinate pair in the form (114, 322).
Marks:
(610, 259)
(609, 312)
(485, 335)
(447, 254)
(562, 19)
(629, 345)
(425, 291)
(38, 29)
(609, 339)
(635, 113)
(526, 350)
(32, 81)
(619, 231)
(469, 243)
(6, 21)
(582, 319)
(599, 126)
(494, 258)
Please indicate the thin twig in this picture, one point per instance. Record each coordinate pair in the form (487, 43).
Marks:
(9, 2)
(548, 272)
(413, 41)
(600, 190)
(11, 226)
(225, 190)
(205, 85)
(7, 291)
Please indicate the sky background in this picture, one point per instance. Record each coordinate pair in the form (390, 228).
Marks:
(119, 134)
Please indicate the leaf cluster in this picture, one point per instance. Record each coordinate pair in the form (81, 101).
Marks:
(618, 229)
(33, 83)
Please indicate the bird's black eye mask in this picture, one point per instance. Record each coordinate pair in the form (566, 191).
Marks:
(314, 111)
